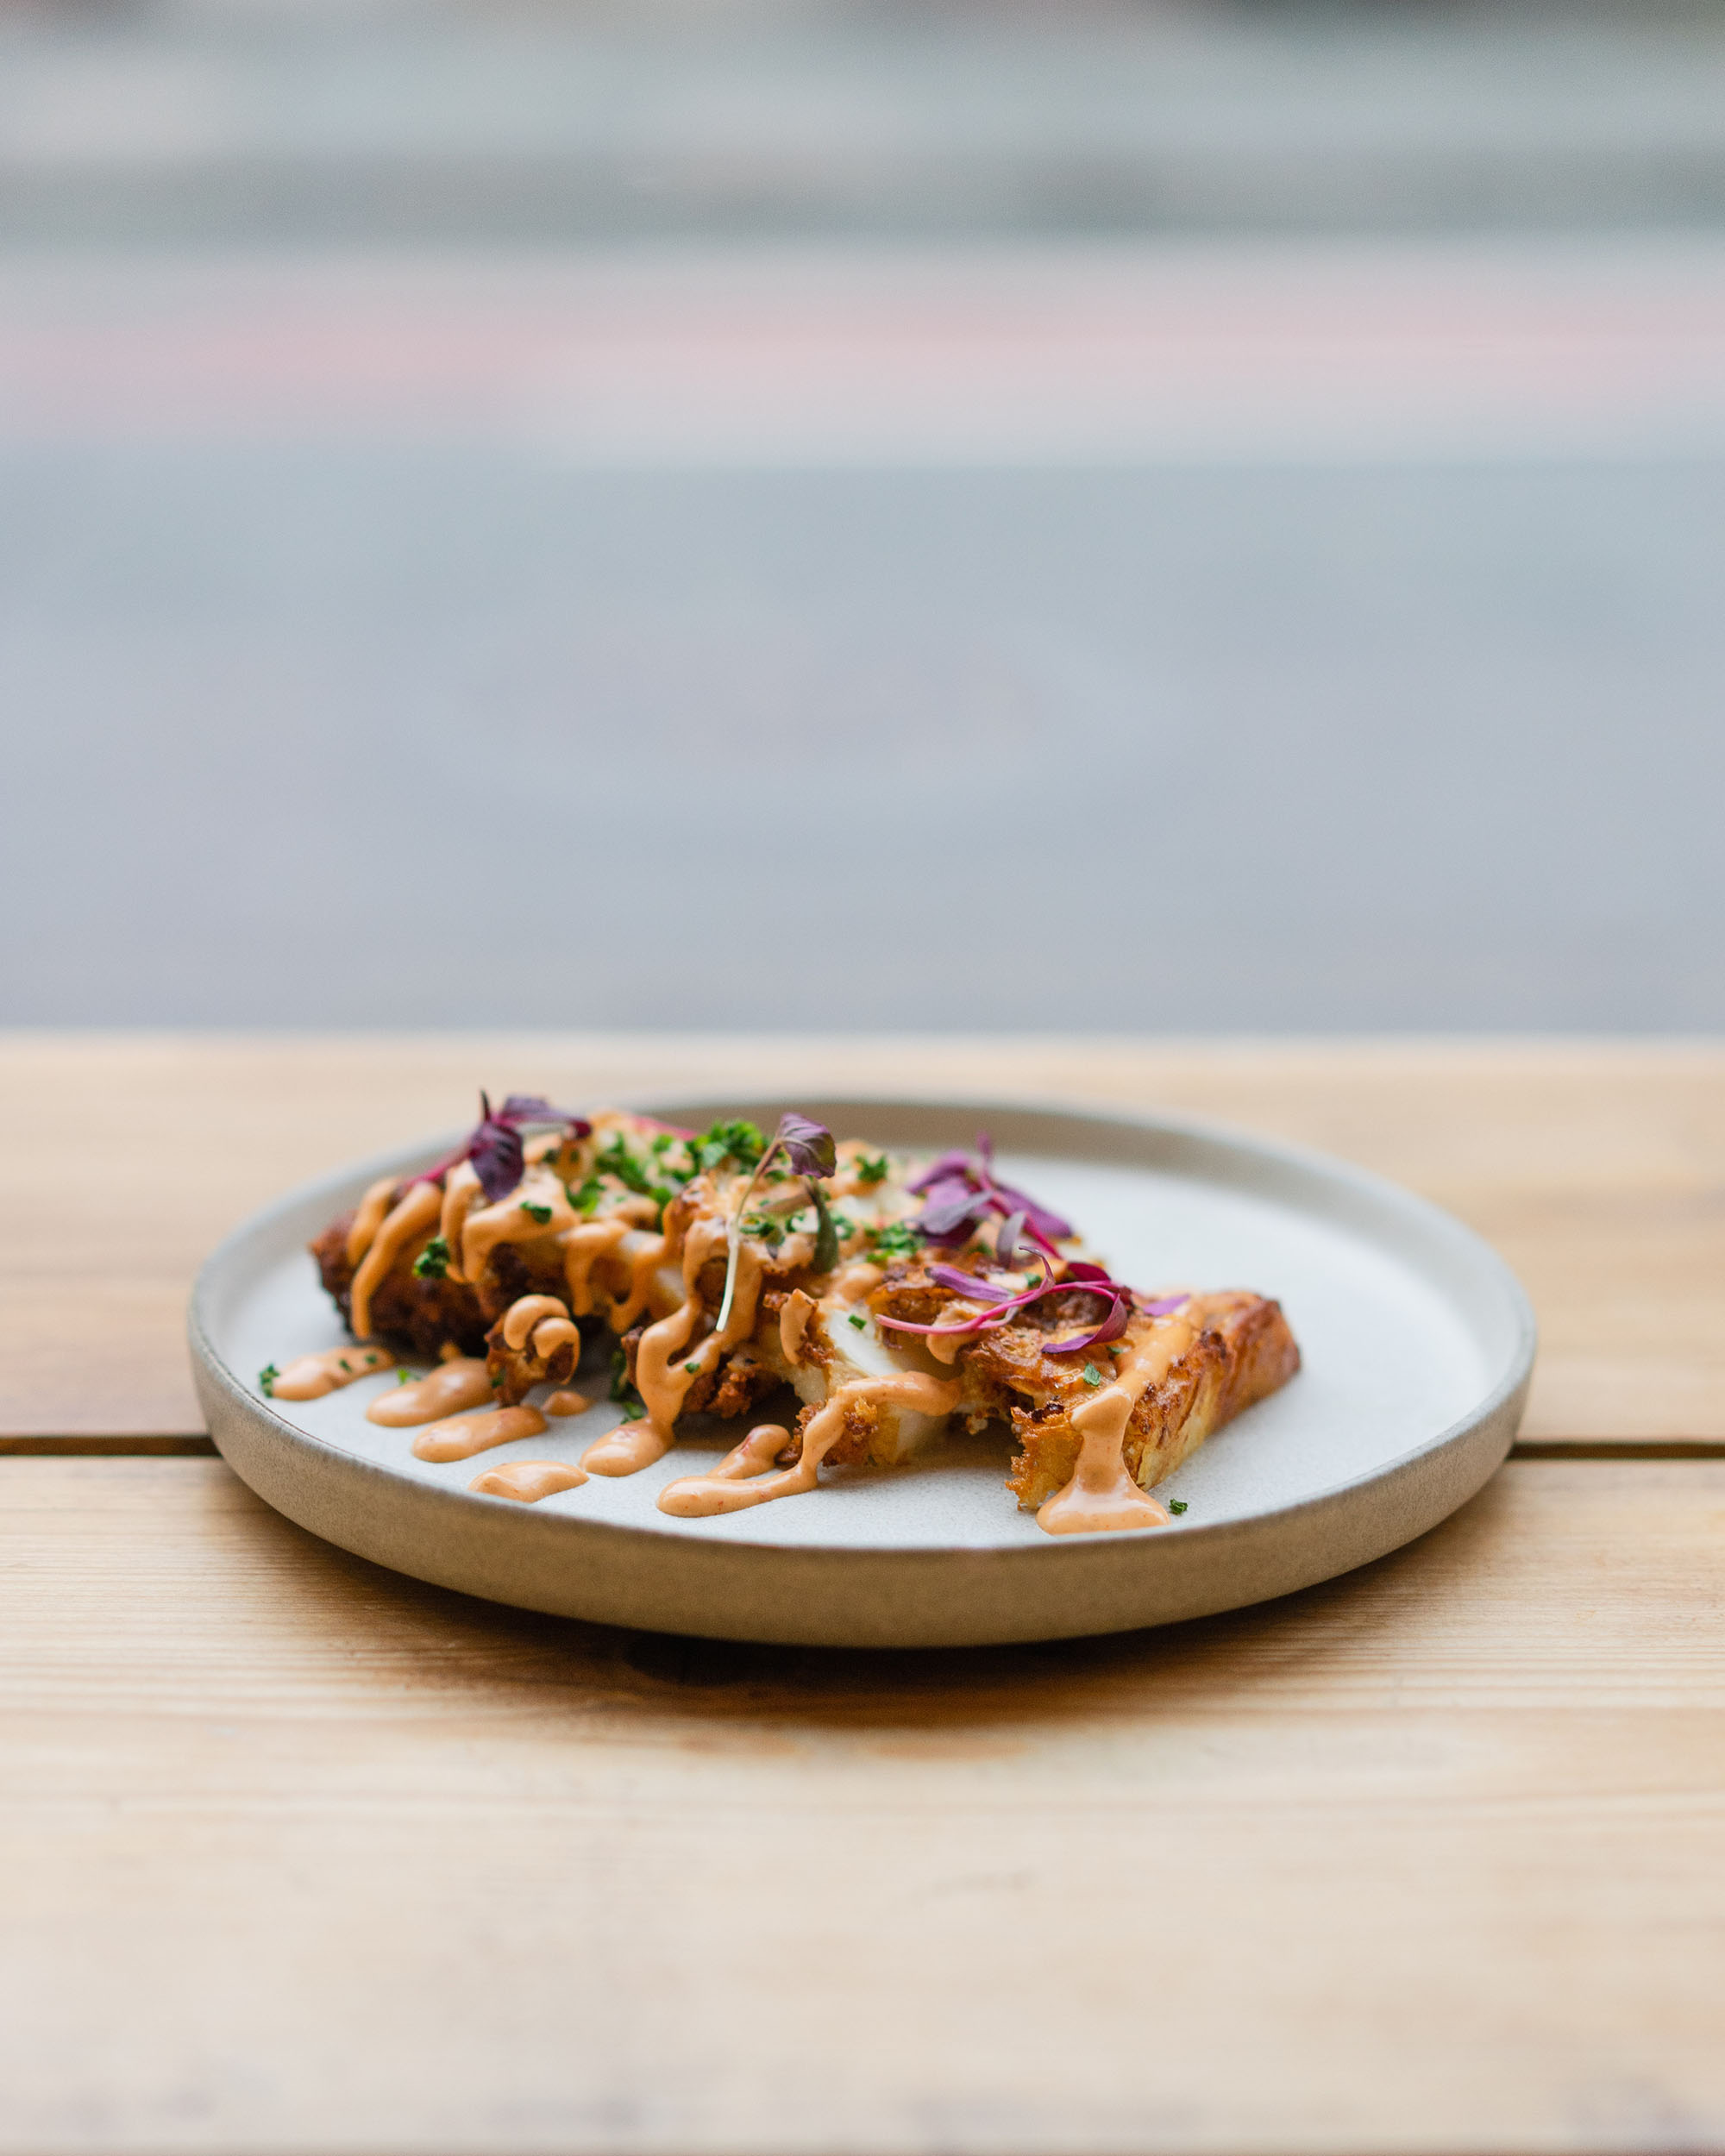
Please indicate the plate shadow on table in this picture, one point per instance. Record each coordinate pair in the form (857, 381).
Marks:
(486, 1656)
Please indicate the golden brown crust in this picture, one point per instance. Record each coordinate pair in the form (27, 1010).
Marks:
(908, 1293)
(1007, 1371)
(855, 1445)
(629, 1347)
(1244, 1352)
(514, 1371)
(742, 1384)
(408, 1313)
(514, 1269)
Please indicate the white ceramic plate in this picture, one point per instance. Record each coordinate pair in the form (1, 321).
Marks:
(1418, 1345)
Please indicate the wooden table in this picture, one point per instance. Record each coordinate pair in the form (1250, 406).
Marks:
(298, 1855)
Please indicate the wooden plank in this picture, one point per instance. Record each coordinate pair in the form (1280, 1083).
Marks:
(1596, 1169)
(300, 1856)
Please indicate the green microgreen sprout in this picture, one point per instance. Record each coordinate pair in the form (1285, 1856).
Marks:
(868, 1170)
(808, 1150)
(404, 1375)
(827, 1232)
(266, 1378)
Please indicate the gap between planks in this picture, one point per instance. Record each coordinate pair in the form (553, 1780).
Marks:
(107, 1448)
(1526, 1449)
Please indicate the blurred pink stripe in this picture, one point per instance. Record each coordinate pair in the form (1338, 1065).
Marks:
(985, 356)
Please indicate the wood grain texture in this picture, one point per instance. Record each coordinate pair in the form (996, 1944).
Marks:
(296, 1855)
(1597, 1169)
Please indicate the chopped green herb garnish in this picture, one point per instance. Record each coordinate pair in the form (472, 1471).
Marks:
(679, 1172)
(897, 1239)
(870, 1171)
(266, 1378)
(616, 1160)
(622, 1390)
(433, 1262)
(858, 1321)
(765, 1227)
(1176, 1504)
(540, 1214)
(585, 1200)
(404, 1375)
(693, 1368)
(736, 1141)
(1092, 1374)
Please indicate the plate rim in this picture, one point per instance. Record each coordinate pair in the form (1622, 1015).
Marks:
(1076, 1556)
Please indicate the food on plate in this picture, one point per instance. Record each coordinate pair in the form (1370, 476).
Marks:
(892, 1296)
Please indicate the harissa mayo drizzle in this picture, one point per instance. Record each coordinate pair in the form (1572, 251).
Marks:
(658, 1271)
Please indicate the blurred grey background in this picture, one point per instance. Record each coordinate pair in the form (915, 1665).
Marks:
(1123, 516)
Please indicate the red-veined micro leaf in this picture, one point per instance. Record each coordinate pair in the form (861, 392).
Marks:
(806, 1144)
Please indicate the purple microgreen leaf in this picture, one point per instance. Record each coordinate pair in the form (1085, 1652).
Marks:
(1046, 1223)
(1081, 1277)
(496, 1153)
(807, 1145)
(949, 1167)
(985, 1321)
(494, 1145)
(968, 1285)
(1007, 1242)
(975, 1172)
(951, 1208)
(533, 1107)
(1110, 1329)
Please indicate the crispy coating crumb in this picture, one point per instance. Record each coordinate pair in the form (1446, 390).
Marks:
(516, 1371)
(1006, 1374)
(1242, 1352)
(412, 1315)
